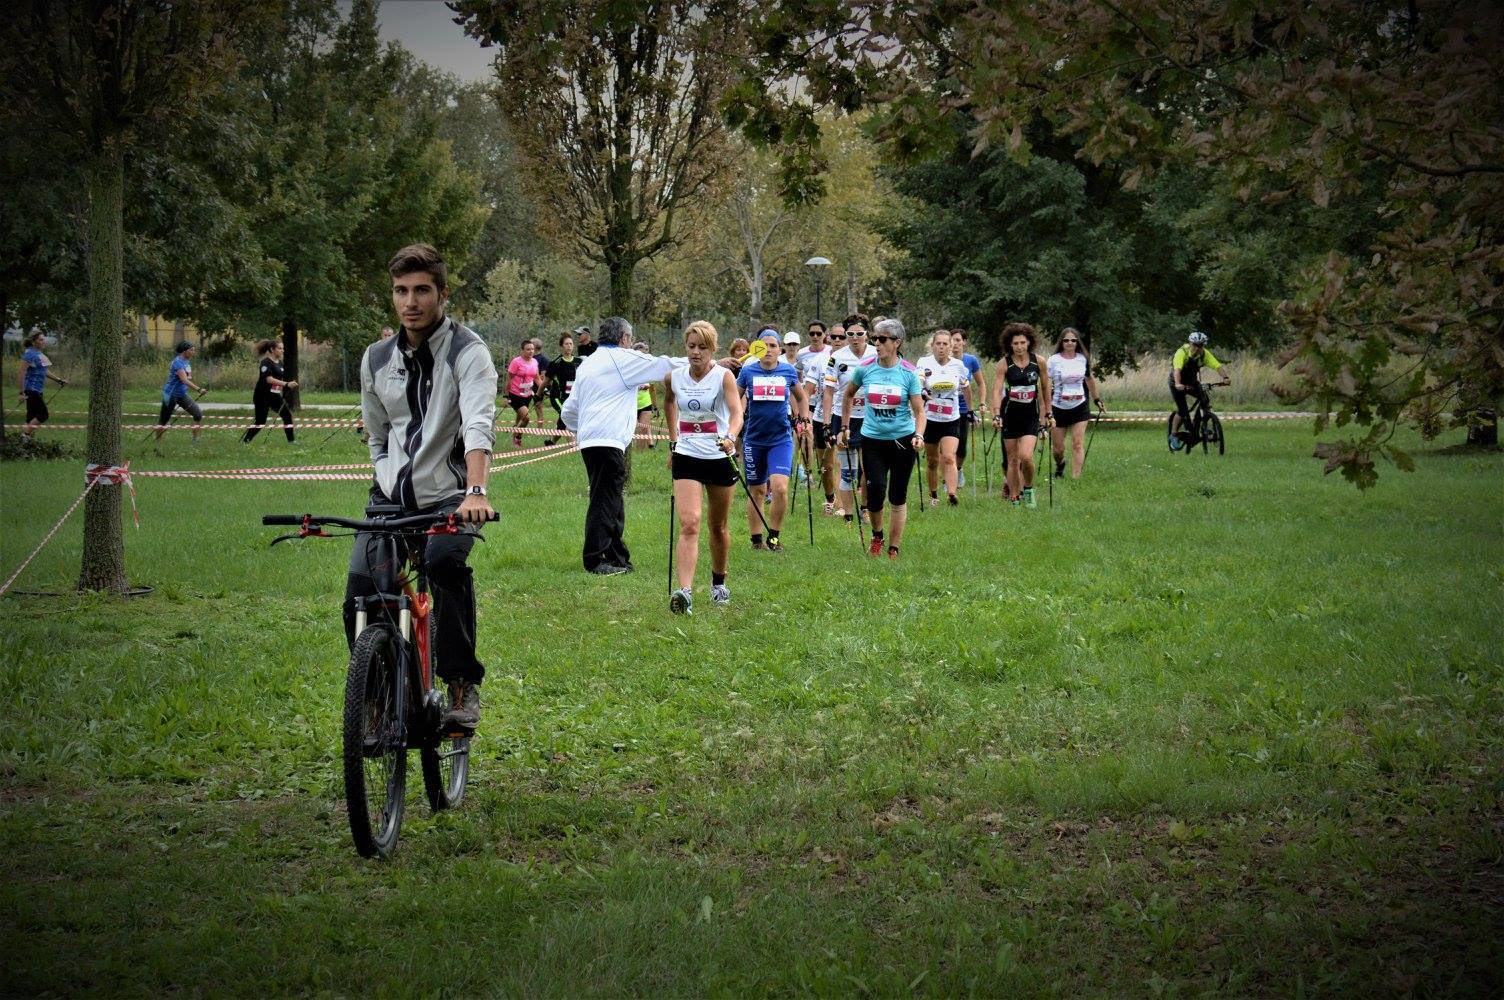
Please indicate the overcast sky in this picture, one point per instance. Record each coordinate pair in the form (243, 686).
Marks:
(426, 28)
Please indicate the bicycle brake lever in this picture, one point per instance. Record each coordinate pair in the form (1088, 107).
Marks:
(283, 538)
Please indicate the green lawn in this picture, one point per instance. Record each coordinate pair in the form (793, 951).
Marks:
(1209, 725)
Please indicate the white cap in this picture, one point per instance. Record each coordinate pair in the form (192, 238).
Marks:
(791, 338)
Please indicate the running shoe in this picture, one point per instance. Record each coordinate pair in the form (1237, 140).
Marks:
(892, 553)
(775, 545)
(934, 500)
(759, 547)
(961, 478)
(680, 602)
(720, 594)
(876, 548)
(951, 497)
(608, 569)
(516, 440)
(1029, 500)
(1060, 469)
(830, 508)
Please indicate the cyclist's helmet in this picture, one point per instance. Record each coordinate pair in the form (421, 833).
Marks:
(1197, 337)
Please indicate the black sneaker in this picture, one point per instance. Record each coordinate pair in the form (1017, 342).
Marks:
(464, 707)
(607, 569)
(775, 545)
(1060, 469)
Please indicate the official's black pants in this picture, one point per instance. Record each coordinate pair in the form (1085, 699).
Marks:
(606, 517)
(263, 408)
(374, 562)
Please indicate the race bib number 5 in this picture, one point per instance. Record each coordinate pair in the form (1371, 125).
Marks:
(884, 395)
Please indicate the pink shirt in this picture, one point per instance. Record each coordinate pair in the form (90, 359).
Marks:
(521, 376)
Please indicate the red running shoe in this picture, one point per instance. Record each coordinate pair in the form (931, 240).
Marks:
(876, 548)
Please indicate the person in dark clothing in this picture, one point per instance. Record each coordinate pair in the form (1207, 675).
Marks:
(268, 395)
(558, 378)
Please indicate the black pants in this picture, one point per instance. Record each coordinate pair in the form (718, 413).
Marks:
(36, 407)
(964, 433)
(374, 562)
(606, 517)
(265, 406)
(888, 466)
(1192, 391)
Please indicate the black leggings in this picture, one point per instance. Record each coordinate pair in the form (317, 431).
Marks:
(887, 464)
(263, 407)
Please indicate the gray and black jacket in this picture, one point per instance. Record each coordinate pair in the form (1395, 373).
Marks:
(424, 409)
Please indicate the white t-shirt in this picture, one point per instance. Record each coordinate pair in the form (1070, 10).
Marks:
(1068, 380)
(838, 371)
(813, 376)
(943, 385)
(703, 415)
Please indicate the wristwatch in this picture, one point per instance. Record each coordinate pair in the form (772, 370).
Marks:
(477, 491)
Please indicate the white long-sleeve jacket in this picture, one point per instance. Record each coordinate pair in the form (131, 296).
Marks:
(602, 410)
(424, 408)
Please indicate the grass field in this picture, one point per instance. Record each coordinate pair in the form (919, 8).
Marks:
(1209, 725)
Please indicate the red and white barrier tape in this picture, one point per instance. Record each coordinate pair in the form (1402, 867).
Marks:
(95, 474)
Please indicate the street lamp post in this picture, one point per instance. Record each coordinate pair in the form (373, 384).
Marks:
(816, 263)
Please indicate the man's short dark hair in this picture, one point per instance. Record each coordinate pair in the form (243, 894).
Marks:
(419, 257)
(815, 323)
(856, 319)
(614, 330)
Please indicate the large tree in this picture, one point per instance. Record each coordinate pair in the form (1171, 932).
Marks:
(621, 105)
(1284, 100)
(104, 76)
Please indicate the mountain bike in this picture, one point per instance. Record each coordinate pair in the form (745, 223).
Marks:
(392, 704)
(1205, 426)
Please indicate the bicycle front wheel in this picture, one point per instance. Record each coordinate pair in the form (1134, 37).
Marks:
(375, 758)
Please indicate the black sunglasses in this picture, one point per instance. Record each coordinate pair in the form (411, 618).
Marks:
(882, 339)
(837, 336)
(1070, 340)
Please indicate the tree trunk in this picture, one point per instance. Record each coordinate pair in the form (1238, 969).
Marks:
(104, 541)
(290, 361)
(1483, 429)
(4, 325)
(621, 288)
(754, 285)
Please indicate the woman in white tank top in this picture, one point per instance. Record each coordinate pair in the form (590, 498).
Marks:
(704, 418)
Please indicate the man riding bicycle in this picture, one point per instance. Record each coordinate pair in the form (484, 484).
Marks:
(1185, 381)
(428, 401)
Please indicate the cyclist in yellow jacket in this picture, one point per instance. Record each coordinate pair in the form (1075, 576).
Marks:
(1185, 381)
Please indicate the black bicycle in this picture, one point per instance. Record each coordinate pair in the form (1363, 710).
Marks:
(1205, 427)
(392, 704)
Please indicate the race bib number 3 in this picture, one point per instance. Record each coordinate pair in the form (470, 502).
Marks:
(697, 427)
(765, 389)
(884, 395)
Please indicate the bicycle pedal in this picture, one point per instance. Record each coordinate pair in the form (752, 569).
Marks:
(370, 747)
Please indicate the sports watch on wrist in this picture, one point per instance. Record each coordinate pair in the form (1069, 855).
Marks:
(476, 491)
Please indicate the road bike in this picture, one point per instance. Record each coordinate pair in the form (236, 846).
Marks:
(392, 703)
(1205, 426)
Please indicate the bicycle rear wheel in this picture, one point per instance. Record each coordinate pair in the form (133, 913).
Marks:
(446, 769)
(375, 759)
(1213, 433)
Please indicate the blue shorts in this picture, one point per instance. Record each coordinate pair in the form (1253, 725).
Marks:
(764, 460)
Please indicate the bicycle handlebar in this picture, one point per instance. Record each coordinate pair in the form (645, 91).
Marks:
(391, 524)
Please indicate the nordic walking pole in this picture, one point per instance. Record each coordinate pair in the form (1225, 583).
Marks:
(748, 490)
(1091, 434)
(809, 502)
(671, 499)
(341, 418)
(1050, 455)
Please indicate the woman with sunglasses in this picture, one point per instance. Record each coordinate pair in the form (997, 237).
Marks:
(1021, 413)
(892, 431)
(839, 417)
(947, 385)
(704, 418)
(1069, 369)
(813, 377)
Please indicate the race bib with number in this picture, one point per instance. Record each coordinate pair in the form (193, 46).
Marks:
(697, 427)
(884, 395)
(568, 388)
(940, 408)
(1021, 393)
(769, 390)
